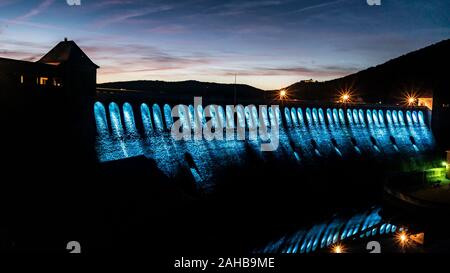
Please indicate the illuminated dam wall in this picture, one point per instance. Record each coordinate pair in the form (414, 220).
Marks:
(307, 135)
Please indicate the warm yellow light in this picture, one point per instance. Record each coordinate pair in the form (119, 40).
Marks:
(402, 239)
(43, 80)
(283, 95)
(411, 98)
(338, 249)
(345, 95)
(418, 238)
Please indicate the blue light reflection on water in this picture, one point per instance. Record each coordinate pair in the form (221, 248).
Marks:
(327, 233)
(371, 133)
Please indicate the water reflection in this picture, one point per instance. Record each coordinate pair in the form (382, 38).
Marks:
(337, 229)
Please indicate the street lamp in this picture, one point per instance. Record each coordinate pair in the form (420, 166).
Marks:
(402, 239)
(345, 95)
(345, 98)
(338, 249)
(411, 100)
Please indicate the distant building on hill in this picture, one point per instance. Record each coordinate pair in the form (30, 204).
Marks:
(309, 81)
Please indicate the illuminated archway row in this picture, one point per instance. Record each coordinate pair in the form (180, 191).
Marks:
(155, 119)
(338, 116)
(324, 235)
(123, 126)
(121, 121)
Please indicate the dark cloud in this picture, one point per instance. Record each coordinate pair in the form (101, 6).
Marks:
(139, 58)
(20, 55)
(320, 71)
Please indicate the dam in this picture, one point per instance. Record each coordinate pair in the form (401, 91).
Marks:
(307, 135)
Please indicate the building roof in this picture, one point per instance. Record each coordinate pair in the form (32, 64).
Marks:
(67, 52)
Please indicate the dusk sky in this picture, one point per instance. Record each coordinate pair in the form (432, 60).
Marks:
(270, 44)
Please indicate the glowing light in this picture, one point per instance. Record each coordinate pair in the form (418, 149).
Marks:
(338, 249)
(402, 239)
(345, 96)
(283, 94)
(444, 164)
(411, 98)
(411, 101)
(418, 238)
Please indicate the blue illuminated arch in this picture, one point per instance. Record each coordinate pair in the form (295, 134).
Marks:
(100, 119)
